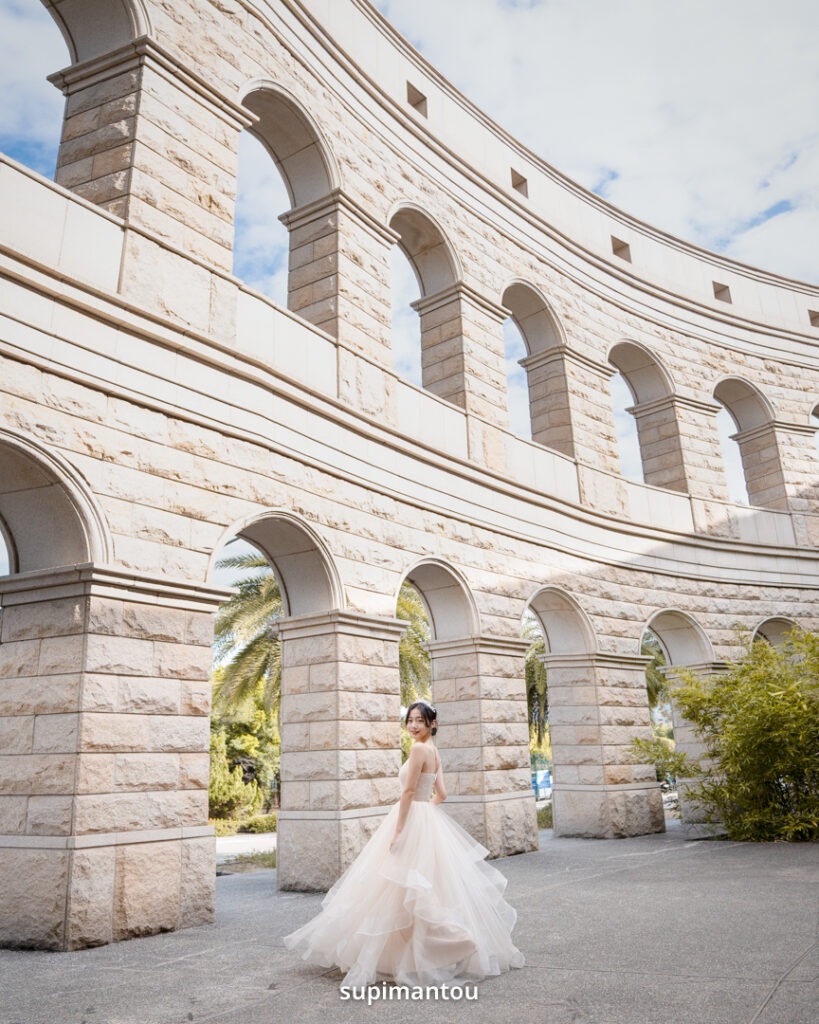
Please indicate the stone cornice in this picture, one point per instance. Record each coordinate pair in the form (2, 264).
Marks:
(675, 402)
(91, 580)
(478, 645)
(465, 294)
(340, 621)
(595, 659)
(146, 51)
(332, 203)
(567, 354)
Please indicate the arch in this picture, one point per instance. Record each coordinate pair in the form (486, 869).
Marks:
(308, 579)
(648, 433)
(94, 27)
(448, 599)
(293, 140)
(756, 440)
(747, 405)
(426, 246)
(647, 378)
(774, 629)
(683, 639)
(565, 625)
(537, 323)
(51, 517)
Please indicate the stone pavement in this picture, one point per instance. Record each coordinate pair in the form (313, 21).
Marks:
(652, 930)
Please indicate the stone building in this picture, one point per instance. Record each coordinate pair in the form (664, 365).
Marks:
(152, 406)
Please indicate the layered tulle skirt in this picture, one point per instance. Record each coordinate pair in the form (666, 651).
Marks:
(426, 913)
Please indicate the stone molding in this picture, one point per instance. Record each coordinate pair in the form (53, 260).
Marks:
(84, 842)
(561, 353)
(463, 293)
(340, 621)
(143, 52)
(338, 199)
(478, 645)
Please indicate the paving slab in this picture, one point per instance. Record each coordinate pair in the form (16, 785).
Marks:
(651, 930)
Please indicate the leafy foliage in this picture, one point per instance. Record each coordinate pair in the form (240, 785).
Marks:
(413, 656)
(759, 722)
(229, 796)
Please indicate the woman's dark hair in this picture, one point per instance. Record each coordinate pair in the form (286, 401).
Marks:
(428, 713)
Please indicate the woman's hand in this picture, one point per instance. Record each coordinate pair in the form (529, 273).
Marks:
(395, 839)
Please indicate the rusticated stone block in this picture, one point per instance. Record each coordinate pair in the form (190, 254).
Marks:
(28, 696)
(37, 773)
(13, 815)
(197, 889)
(147, 889)
(60, 617)
(17, 734)
(91, 897)
(309, 857)
(49, 815)
(33, 886)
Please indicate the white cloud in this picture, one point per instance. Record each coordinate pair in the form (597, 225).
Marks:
(697, 116)
(31, 47)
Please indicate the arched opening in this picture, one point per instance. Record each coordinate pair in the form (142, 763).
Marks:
(538, 401)
(261, 242)
(93, 27)
(625, 428)
(49, 518)
(405, 291)
(774, 630)
(451, 609)
(291, 269)
(433, 265)
(749, 444)
(814, 421)
(277, 568)
(645, 418)
(30, 125)
(673, 640)
(566, 627)
(414, 668)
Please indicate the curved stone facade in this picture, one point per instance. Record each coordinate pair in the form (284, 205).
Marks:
(151, 406)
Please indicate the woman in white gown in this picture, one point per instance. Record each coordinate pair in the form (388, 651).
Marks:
(419, 904)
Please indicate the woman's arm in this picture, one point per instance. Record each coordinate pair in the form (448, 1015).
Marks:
(416, 764)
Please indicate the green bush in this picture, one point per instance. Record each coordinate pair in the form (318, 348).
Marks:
(224, 826)
(544, 817)
(759, 723)
(229, 796)
(259, 823)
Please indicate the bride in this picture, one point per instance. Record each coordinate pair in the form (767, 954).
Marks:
(419, 904)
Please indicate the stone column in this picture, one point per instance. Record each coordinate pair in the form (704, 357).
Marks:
(796, 443)
(155, 143)
(689, 742)
(340, 741)
(571, 406)
(759, 448)
(104, 715)
(339, 275)
(479, 689)
(660, 449)
(462, 357)
(598, 703)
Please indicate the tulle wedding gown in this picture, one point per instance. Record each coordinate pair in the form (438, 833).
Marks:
(428, 912)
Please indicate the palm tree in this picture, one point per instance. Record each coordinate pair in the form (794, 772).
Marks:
(537, 696)
(413, 655)
(656, 681)
(247, 650)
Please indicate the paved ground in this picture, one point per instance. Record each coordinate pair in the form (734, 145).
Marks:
(654, 930)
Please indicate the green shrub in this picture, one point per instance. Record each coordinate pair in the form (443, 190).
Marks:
(224, 826)
(259, 823)
(229, 796)
(759, 723)
(544, 817)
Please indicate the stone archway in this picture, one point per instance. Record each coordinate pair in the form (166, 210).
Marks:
(597, 705)
(774, 629)
(757, 440)
(686, 646)
(477, 687)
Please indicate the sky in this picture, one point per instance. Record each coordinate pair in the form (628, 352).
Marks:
(700, 117)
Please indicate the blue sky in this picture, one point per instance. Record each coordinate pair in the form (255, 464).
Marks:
(698, 117)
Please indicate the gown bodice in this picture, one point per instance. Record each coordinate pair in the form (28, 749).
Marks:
(424, 786)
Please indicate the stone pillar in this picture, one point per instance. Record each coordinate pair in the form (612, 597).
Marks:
(759, 449)
(479, 689)
(703, 473)
(571, 406)
(339, 275)
(104, 718)
(598, 703)
(660, 449)
(154, 143)
(689, 742)
(340, 741)
(798, 457)
(462, 357)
